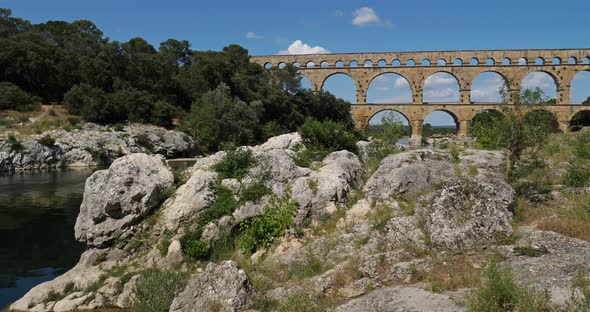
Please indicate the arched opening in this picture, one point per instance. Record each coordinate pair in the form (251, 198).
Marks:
(572, 60)
(425, 62)
(439, 122)
(542, 120)
(543, 82)
(389, 88)
(490, 61)
(458, 62)
(441, 62)
(411, 63)
(305, 82)
(441, 87)
(522, 61)
(506, 61)
(310, 65)
(396, 63)
(341, 86)
(487, 88)
(539, 61)
(368, 63)
(580, 88)
(484, 127)
(586, 60)
(353, 64)
(580, 120)
(282, 65)
(296, 65)
(382, 63)
(324, 64)
(556, 61)
(390, 118)
(268, 65)
(474, 61)
(339, 64)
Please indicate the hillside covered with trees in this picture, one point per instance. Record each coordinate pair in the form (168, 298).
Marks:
(223, 99)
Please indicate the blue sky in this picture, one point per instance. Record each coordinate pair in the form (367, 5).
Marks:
(269, 27)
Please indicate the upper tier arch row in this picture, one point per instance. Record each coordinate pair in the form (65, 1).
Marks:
(430, 58)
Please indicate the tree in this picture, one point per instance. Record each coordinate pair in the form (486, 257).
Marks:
(586, 101)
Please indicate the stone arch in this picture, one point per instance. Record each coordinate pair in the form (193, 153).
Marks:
(310, 64)
(441, 62)
(324, 64)
(474, 61)
(426, 62)
(344, 86)
(306, 83)
(443, 85)
(353, 64)
(572, 60)
(282, 65)
(411, 62)
(440, 121)
(522, 61)
(486, 87)
(268, 65)
(396, 63)
(580, 87)
(368, 63)
(538, 78)
(586, 60)
(389, 81)
(579, 120)
(556, 61)
(458, 62)
(506, 61)
(490, 61)
(296, 65)
(539, 61)
(379, 113)
(339, 64)
(539, 117)
(382, 63)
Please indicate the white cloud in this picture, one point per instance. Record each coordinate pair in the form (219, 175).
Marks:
(364, 16)
(441, 95)
(298, 47)
(440, 79)
(403, 98)
(538, 79)
(339, 13)
(253, 35)
(401, 83)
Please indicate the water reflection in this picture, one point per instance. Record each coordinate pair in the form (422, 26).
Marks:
(37, 216)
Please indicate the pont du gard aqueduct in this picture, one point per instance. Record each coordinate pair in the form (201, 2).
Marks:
(513, 65)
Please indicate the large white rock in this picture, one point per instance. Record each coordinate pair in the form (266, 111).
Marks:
(117, 198)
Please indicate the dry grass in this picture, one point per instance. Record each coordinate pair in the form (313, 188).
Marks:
(346, 274)
(49, 117)
(450, 274)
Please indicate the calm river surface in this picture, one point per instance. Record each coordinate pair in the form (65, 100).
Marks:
(37, 216)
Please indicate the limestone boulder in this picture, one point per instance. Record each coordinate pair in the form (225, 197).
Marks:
(467, 212)
(120, 197)
(221, 287)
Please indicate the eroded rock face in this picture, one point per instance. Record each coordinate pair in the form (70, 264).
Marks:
(221, 287)
(76, 148)
(467, 212)
(408, 174)
(117, 198)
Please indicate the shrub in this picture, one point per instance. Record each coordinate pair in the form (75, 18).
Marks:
(328, 136)
(254, 192)
(235, 164)
(15, 143)
(144, 141)
(93, 104)
(499, 292)
(156, 290)
(47, 140)
(577, 175)
(194, 248)
(454, 150)
(13, 97)
(582, 146)
(261, 230)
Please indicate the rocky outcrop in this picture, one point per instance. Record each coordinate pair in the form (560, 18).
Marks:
(91, 146)
(221, 287)
(401, 299)
(135, 185)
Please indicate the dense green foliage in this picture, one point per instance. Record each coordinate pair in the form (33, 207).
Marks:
(235, 164)
(260, 231)
(155, 290)
(323, 137)
(14, 98)
(47, 140)
(230, 101)
(501, 293)
(428, 130)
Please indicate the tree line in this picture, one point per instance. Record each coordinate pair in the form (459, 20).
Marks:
(220, 97)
